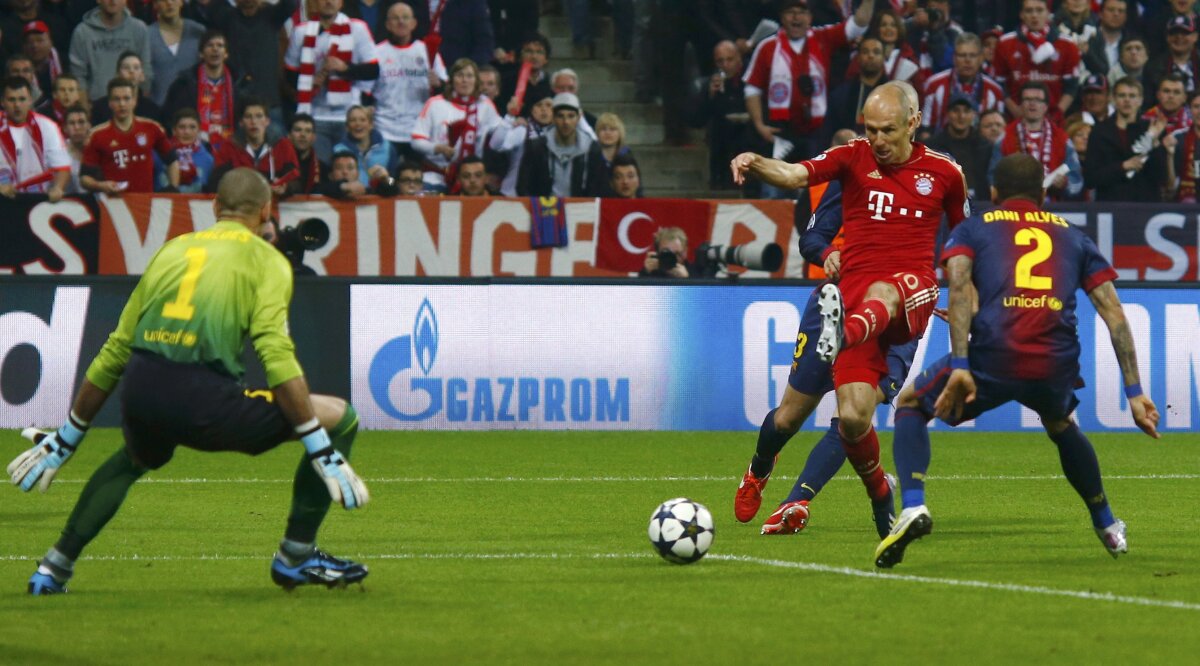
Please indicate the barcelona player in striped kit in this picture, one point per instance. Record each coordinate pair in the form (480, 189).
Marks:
(1019, 267)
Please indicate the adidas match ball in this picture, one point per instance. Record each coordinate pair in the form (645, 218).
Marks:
(681, 530)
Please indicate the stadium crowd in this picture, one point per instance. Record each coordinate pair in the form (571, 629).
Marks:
(391, 98)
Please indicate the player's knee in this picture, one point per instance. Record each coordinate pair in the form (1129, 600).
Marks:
(1055, 426)
(853, 424)
(887, 293)
(787, 421)
(330, 410)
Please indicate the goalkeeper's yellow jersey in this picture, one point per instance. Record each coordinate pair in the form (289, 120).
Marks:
(199, 298)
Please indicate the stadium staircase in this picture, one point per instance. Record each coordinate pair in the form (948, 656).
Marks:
(606, 84)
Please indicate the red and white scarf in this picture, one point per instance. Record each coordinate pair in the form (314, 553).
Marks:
(433, 39)
(1048, 145)
(9, 147)
(55, 65)
(341, 45)
(463, 135)
(214, 104)
(786, 67)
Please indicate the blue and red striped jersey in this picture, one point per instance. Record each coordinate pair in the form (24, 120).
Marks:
(1027, 266)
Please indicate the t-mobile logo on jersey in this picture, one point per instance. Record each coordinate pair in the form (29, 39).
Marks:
(121, 157)
(879, 203)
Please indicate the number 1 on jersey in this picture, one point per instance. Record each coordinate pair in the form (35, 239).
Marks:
(181, 307)
(1042, 247)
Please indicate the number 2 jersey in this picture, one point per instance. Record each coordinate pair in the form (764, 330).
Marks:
(1027, 266)
(201, 296)
(891, 213)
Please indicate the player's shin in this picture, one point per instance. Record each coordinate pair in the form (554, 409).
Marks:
(770, 443)
(310, 493)
(865, 322)
(98, 503)
(824, 461)
(863, 454)
(1082, 469)
(910, 449)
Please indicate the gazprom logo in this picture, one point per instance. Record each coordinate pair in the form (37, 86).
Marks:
(420, 396)
(396, 356)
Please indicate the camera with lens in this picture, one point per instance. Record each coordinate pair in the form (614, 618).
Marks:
(310, 234)
(935, 15)
(711, 259)
(667, 259)
(805, 85)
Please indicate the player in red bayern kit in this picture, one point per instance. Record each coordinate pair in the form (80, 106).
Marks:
(118, 157)
(894, 194)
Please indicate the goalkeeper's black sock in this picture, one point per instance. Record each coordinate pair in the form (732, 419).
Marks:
(98, 502)
(310, 497)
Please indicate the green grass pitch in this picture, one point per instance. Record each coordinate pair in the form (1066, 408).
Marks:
(531, 548)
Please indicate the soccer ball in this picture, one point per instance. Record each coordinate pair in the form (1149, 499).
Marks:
(681, 530)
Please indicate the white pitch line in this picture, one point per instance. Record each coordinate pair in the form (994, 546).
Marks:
(652, 479)
(1085, 595)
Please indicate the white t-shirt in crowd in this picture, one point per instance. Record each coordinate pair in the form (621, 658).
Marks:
(402, 87)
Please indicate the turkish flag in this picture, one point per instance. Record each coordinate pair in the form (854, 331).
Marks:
(627, 228)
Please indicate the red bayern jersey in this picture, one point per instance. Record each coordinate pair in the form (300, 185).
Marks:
(127, 156)
(891, 213)
(1014, 65)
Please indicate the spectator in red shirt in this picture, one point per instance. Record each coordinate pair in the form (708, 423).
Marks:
(792, 69)
(276, 162)
(1034, 52)
(118, 157)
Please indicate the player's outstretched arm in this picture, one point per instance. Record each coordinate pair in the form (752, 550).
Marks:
(1108, 306)
(960, 387)
(344, 485)
(38, 465)
(770, 171)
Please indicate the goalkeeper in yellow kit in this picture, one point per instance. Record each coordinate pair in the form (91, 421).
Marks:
(177, 349)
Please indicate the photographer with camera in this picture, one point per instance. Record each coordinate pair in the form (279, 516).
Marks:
(669, 256)
(932, 32)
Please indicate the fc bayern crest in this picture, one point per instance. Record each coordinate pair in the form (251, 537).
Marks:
(141, 140)
(924, 184)
(778, 92)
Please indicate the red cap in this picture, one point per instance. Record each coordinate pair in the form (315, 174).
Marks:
(35, 26)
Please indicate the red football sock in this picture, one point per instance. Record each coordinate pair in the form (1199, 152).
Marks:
(864, 456)
(866, 321)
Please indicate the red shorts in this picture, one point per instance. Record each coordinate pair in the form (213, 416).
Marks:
(867, 362)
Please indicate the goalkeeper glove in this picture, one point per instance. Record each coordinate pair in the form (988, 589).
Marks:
(343, 484)
(51, 450)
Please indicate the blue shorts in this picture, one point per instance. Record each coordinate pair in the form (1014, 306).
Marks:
(812, 376)
(1052, 399)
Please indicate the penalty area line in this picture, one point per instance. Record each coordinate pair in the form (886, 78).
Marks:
(1086, 595)
(1038, 590)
